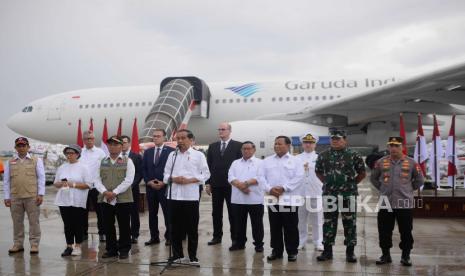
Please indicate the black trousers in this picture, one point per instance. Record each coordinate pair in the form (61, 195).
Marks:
(386, 221)
(135, 220)
(185, 219)
(72, 220)
(154, 200)
(255, 211)
(284, 223)
(219, 195)
(121, 211)
(92, 196)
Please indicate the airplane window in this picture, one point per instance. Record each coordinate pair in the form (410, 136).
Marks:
(316, 98)
(259, 99)
(92, 106)
(309, 98)
(143, 103)
(231, 100)
(324, 98)
(87, 106)
(245, 100)
(80, 106)
(105, 105)
(130, 104)
(111, 105)
(288, 99)
(280, 99)
(217, 101)
(273, 99)
(137, 104)
(295, 99)
(238, 100)
(302, 98)
(331, 97)
(338, 96)
(99, 105)
(224, 101)
(262, 144)
(252, 100)
(150, 103)
(117, 104)
(124, 104)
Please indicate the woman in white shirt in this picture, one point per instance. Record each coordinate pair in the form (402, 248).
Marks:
(73, 181)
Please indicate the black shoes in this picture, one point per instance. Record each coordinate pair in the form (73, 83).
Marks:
(167, 243)
(134, 240)
(214, 241)
(350, 255)
(123, 255)
(385, 258)
(236, 247)
(258, 249)
(405, 259)
(107, 255)
(327, 254)
(194, 261)
(274, 256)
(152, 242)
(292, 257)
(102, 238)
(67, 252)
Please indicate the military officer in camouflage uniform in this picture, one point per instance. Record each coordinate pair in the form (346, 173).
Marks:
(340, 169)
(396, 176)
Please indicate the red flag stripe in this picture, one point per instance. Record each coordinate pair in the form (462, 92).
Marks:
(135, 138)
(79, 140)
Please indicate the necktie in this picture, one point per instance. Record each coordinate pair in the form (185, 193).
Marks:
(157, 156)
(223, 148)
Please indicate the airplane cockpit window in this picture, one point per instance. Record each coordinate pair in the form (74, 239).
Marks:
(27, 109)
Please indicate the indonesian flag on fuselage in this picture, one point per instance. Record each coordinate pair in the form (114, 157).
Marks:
(451, 155)
(435, 154)
(421, 151)
(104, 146)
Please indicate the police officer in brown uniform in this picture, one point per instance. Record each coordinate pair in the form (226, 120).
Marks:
(24, 188)
(396, 176)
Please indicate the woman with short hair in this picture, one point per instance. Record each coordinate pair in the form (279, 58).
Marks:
(73, 181)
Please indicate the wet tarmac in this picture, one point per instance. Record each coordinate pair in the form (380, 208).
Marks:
(439, 249)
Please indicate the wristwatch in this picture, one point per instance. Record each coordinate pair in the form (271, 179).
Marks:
(246, 184)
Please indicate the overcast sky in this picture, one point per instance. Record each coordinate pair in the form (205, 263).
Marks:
(48, 47)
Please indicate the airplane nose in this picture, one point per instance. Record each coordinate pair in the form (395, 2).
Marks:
(14, 123)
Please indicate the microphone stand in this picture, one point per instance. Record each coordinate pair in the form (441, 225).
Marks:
(170, 262)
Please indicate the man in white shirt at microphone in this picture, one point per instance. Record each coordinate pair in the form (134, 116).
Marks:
(311, 191)
(186, 169)
(247, 197)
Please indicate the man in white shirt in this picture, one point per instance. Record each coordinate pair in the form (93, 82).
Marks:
(24, 188)
(281, 176)
(185, 170)
(91, 156)
(114, 184)
(311, 191)
(247, 197)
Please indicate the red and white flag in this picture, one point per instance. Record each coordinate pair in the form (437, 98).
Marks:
(120, 127)
(135, 138)
(104, 146)
(79, 140)
(91, 126)
(435, 154)
(421, 151)
(451, 155)
(402, 134)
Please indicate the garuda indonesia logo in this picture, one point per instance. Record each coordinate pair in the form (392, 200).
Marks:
(245, 90)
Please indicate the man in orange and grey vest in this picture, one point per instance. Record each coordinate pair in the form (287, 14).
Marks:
(24, 188)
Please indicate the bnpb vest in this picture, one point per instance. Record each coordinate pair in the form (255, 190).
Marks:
(23, 178)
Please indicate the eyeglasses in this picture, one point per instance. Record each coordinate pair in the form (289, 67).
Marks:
(222, 129)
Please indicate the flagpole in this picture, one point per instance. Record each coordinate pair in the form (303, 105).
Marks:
(419, 149)
(453, 159)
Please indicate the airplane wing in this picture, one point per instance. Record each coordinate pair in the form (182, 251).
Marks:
(441, 92)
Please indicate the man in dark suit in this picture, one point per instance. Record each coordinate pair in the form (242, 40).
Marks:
(137, 160)
(220, 156)
(153, 166)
